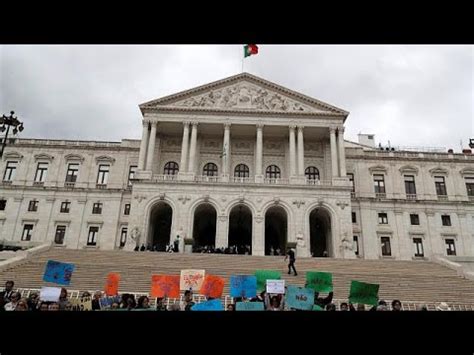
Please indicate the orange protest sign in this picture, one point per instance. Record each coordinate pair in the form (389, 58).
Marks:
(164, 286)
(213, 286)
(111, 288)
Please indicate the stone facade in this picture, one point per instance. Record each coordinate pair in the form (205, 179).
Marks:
(239, 142)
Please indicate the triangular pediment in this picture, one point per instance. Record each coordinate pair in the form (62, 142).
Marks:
(243, 92)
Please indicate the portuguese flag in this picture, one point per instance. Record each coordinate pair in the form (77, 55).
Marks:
(250, 49)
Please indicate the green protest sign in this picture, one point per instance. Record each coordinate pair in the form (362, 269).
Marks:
(263, 276)
(365, 293)
(317, 308)
(319, 281)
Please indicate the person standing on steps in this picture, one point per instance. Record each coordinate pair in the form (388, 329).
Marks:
(290, 254)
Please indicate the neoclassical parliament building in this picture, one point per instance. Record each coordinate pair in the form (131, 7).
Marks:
(239, 162)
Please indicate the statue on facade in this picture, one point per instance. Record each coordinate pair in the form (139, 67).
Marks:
(346, 244)
(300, 240)
(134, 240)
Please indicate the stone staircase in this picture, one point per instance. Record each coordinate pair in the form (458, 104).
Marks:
(409, 281)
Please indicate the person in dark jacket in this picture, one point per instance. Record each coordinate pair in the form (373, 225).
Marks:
(323, 302)
(6, 294)
(290, 254)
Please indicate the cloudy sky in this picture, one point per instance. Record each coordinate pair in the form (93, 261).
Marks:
(408, 95)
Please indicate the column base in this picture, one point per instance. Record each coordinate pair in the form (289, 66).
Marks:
(259, 179)
(143, 175)
(186, 176)
(297, 180)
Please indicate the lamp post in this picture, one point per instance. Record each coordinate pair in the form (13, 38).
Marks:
(6, 122)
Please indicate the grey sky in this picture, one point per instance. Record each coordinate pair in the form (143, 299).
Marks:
(410, 95)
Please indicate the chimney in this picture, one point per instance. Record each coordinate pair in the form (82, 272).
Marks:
(367, 139)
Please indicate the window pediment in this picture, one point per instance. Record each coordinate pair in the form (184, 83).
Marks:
(467, 172)
(74, 157)
(105, 159)
(43, 156)
(12, 155)
(378, 169)
(408, 169)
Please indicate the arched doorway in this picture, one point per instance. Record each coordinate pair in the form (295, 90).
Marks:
(204, 227)
(240, 229)
(160, 226)
(320, 233)
(276, 231)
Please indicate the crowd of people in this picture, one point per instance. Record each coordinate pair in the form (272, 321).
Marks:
(11, 300)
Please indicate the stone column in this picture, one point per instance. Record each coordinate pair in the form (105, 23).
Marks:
(192, 149)
(143, 146)
(292, 151)
(226, 152)
(151, 147)
(300, 152)
(184, 148)
(342, 153)
(259, 154)
(332, 137)
(258, 236)
(222, 233)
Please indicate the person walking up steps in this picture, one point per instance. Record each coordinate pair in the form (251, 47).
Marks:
(290, 254)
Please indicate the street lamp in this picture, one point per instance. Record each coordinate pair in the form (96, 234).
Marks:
(9, 121)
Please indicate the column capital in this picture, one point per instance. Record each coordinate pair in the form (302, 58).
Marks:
(186, 123)
(154, 123)
(260, 125)
(145, 122)
(332, 129)
(227, 125)
(340, 129)
(292, 127)
(195, 123)
(300, 128)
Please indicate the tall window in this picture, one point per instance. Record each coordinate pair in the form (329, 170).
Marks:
(356, 244)
(242, 171)
(65, 206)
(469, 186)
(383, 219)
(126, 209)
(72, 172)
(351, 179)
(210, 169)
(418, 243)
(414, 220)
(103, 175)
(273, 172)
(450, 247)
(97, 208)
(354, 217)
(379, 184)
(123, 237)
(312, 173)
(386, 249)
(60, 233)
(440, 186)
(3, 204)
(171, 168)
(131, 174)
(446, 220)
(410, 184)
(41, 172)
(10, 171)
(92, 237)
(33, 206)
(27, 231)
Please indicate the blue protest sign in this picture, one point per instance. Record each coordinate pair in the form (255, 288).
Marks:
(58, 273)
(243, 286)
(299, 297)
(249, 306)
(212, 305)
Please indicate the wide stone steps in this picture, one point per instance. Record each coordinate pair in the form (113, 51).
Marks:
(417, 281)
